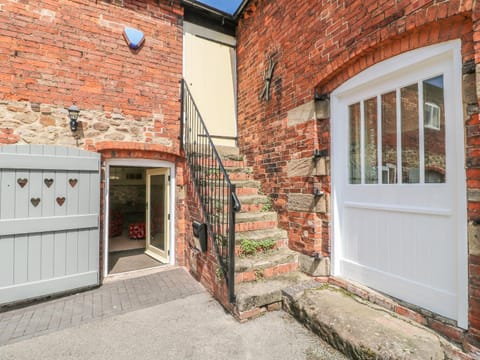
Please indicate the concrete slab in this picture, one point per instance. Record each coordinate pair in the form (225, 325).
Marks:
(193, 327)
(359, 329)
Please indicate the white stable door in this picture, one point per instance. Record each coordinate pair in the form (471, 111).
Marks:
(399, 180)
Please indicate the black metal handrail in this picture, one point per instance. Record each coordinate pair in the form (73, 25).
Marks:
(215, 191)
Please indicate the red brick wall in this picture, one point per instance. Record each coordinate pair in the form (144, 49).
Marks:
(319, 45)
(57, 52)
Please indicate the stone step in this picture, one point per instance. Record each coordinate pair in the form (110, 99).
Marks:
(229, 152)
(254, 203)
(360, 329)
(265, 265)
(254, 298)
(249, 221)
(278, 235)
(211, 162)
(243, 187)
(239, 175)
(259, 235)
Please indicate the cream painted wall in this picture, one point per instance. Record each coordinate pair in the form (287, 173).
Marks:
(209, 68)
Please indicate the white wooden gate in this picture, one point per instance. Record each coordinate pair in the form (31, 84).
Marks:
(49, 220)
(399, 180)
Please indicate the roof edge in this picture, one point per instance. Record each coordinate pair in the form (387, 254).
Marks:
(201, 6)
(216, 12)
(240, 9)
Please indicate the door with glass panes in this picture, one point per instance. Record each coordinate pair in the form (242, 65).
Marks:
(157, 214)
(399, 182)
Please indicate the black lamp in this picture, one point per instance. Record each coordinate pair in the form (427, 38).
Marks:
(73, 112)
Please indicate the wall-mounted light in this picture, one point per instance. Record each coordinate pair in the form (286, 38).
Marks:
(73, 112)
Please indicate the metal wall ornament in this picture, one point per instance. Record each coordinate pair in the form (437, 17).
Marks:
(268, 76)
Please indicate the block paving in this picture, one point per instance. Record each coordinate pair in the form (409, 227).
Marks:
(112, 298)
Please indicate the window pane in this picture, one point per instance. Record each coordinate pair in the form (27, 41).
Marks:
(355, 166)
(389, 138)
(410, 134)
(371, 158)
(434, 130)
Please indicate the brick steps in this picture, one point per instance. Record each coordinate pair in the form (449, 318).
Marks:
(255, 221)
(261, 277)
(243, 187)
(265, 265)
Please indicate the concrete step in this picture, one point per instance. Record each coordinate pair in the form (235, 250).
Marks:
(249, 221)
(362, 330)
(254, 298)
(265, 265)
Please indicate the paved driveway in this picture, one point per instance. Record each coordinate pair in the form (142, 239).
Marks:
(164, 315)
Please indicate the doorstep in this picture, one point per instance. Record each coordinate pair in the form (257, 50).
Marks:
(363, 330)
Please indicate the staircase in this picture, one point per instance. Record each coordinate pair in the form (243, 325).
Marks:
(263, 263)
(251, 251)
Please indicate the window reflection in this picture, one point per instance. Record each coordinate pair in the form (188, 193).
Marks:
(389, 138)
(434, 130)
(371, 158)
(355, 165)
(410, 134)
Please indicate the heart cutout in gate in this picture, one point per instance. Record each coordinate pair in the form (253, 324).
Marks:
(48, 182)
(73, 182)
(35, 201)
(22, 182)
(60, 200)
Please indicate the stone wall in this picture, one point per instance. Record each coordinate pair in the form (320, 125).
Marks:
(317, 46)
(27, 122)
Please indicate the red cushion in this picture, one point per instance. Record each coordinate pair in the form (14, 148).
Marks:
(136, 231)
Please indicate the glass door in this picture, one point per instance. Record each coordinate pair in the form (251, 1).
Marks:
(157, 214)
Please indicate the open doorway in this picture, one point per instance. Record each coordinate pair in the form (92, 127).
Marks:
(138, 218)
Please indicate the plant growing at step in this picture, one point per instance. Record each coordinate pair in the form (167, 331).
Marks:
(267, 206)
(219, 273)
(251, 247)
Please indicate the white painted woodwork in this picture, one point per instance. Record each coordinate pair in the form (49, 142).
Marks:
(407, 240)
(161, 255)
(48, 248)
